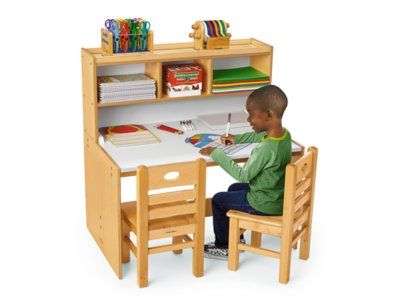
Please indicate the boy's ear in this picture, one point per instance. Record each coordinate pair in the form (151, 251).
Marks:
(268, 114)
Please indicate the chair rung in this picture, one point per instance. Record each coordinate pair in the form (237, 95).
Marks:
(171, 231)
(299, 235)
(131, 245)
(172, 247)
(186, 238)
(261, 251)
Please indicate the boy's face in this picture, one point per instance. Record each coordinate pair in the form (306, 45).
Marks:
(259, 120)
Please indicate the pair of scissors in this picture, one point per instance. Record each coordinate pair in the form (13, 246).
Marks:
(135, 33)
(112, 26)
(145, 30)
(124, 35)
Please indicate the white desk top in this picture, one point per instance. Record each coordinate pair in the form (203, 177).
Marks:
(172, 148)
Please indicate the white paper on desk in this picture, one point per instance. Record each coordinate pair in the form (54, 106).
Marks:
(228, 149)
(218, 121)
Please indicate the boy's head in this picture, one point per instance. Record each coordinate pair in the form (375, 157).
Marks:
(266, 106)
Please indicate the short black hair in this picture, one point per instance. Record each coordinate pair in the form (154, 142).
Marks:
(269, 97)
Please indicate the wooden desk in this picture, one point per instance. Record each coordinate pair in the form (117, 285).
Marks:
(105, 166)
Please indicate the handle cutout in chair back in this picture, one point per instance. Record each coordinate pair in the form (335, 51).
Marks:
(172, 175)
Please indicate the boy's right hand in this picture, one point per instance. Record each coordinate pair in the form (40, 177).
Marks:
(229, 140)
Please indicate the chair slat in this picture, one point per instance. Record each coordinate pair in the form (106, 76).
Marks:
(171, 211)
(302, 186)
(171, 231)
(303, 199)
(298, 235)
(171, 197)
(304, 167)
(186, 175)
(300, 220)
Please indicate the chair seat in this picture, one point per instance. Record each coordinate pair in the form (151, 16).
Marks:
(275, 221)
(129, 216)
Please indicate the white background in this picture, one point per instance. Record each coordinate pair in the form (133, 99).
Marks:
(338, 62)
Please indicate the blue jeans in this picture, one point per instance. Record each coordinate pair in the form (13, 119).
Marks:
(234, 198)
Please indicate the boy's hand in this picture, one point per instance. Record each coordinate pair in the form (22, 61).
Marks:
(207, 151)
(229, 140)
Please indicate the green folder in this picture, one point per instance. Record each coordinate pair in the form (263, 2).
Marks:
(238, 74)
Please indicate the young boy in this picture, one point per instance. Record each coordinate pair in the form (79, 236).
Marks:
(262, 178)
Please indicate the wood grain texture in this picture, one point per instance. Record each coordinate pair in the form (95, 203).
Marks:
(103, 211)
(294, 225)
(166, 216)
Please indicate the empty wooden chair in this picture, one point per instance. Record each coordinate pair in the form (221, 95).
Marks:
(161, 214)
(292, 226)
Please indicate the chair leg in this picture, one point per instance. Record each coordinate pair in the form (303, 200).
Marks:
(198, 254)
(305, 245)
(176, 240)
(142, 263)
(284, 264)
(126, 253)
(295, 246)
(256, 239)
(233, 252)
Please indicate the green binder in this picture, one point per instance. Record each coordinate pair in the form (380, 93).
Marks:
(238, 74)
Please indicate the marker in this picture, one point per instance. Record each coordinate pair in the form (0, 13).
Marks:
(228, 124)
(169, 129)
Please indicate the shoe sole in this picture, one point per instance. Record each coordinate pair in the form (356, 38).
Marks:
(218, 257)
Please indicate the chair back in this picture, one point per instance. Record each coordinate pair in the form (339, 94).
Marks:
(299, 192)
(180, 207)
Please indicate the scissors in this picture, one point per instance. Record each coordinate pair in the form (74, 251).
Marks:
(123, 33)
(130, 41)
(145, 29)
(135, 33)
(112, 26)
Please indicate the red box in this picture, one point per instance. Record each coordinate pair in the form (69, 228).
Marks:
(183, 80)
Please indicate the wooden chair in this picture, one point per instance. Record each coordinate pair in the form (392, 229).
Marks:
(292, 226)
(166, 214)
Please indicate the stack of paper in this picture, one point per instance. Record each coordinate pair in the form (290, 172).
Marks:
(128, 135)
(238, 79)
(125, 88)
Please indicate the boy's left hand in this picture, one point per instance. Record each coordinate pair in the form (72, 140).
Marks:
(207, 150)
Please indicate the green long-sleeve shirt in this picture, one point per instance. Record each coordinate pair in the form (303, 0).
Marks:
(264, 170)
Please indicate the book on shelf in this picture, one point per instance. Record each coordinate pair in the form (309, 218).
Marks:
(126, 79)
(125, 87)
(128, 135)
(238, 79)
